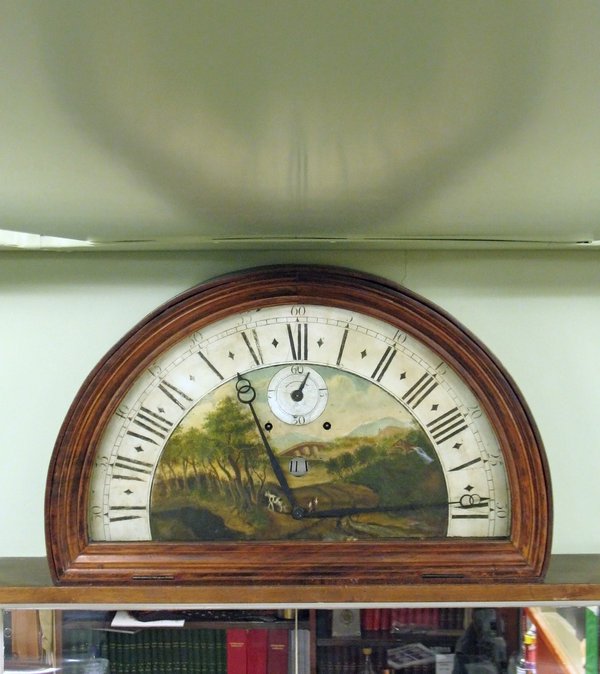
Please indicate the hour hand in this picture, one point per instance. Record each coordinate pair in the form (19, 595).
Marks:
(247, 394)
(359, 510)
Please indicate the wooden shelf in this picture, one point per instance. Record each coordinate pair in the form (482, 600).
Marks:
(572, 579)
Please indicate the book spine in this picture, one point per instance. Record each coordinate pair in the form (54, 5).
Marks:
(209, 654)
(220, 637)
(278, 641)
(237, 643)
(256, 651)
(592, 627)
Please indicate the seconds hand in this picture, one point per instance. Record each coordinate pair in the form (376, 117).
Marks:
(297, 394)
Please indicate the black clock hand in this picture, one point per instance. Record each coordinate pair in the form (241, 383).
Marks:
(297, 395)
(246, 395)
(473, 501)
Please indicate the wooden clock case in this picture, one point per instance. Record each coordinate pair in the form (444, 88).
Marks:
(522, 556)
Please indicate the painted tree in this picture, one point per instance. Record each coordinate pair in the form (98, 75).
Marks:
(231, 435)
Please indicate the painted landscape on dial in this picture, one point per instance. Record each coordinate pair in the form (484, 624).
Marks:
(365, 451)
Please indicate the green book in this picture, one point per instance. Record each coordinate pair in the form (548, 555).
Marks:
(177, 646)
(193, 652)
(156, 649)
(221, 651)
(186, 651)
(204, 663)
(211, 651)
(592, 626)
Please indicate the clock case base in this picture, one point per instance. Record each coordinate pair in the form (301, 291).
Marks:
(522, 556)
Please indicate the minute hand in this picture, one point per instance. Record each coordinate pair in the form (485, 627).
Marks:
(246, 394)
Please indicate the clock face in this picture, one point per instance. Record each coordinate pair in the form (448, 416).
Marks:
(298, 422)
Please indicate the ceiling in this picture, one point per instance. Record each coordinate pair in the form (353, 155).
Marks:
(188, 124)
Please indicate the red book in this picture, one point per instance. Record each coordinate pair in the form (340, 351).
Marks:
(256, 652)
(366, 619)
(376, 619)
(278, 644)
(237, 648)
(386, 619)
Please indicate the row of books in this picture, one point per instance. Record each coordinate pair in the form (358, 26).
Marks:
(268, 651)
(257, 651)
(152, 650)
(401, 619)
(194, 651)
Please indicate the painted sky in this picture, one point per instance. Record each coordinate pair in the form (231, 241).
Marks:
(352, 401)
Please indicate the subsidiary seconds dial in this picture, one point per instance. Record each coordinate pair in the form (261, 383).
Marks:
(297, 394)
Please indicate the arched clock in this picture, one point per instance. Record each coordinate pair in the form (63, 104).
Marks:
(298, 424)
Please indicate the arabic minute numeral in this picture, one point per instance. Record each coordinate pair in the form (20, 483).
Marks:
(474, 412)
(155, 370)
(441, 368)
(399, 337)
(96, 512)
(123, 411)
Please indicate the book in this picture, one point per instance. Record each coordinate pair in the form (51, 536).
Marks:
(209, 653)
(278, 641)
(237, 645)
(220, 641)
(592, 627)
(256, 651)
(299, 651)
